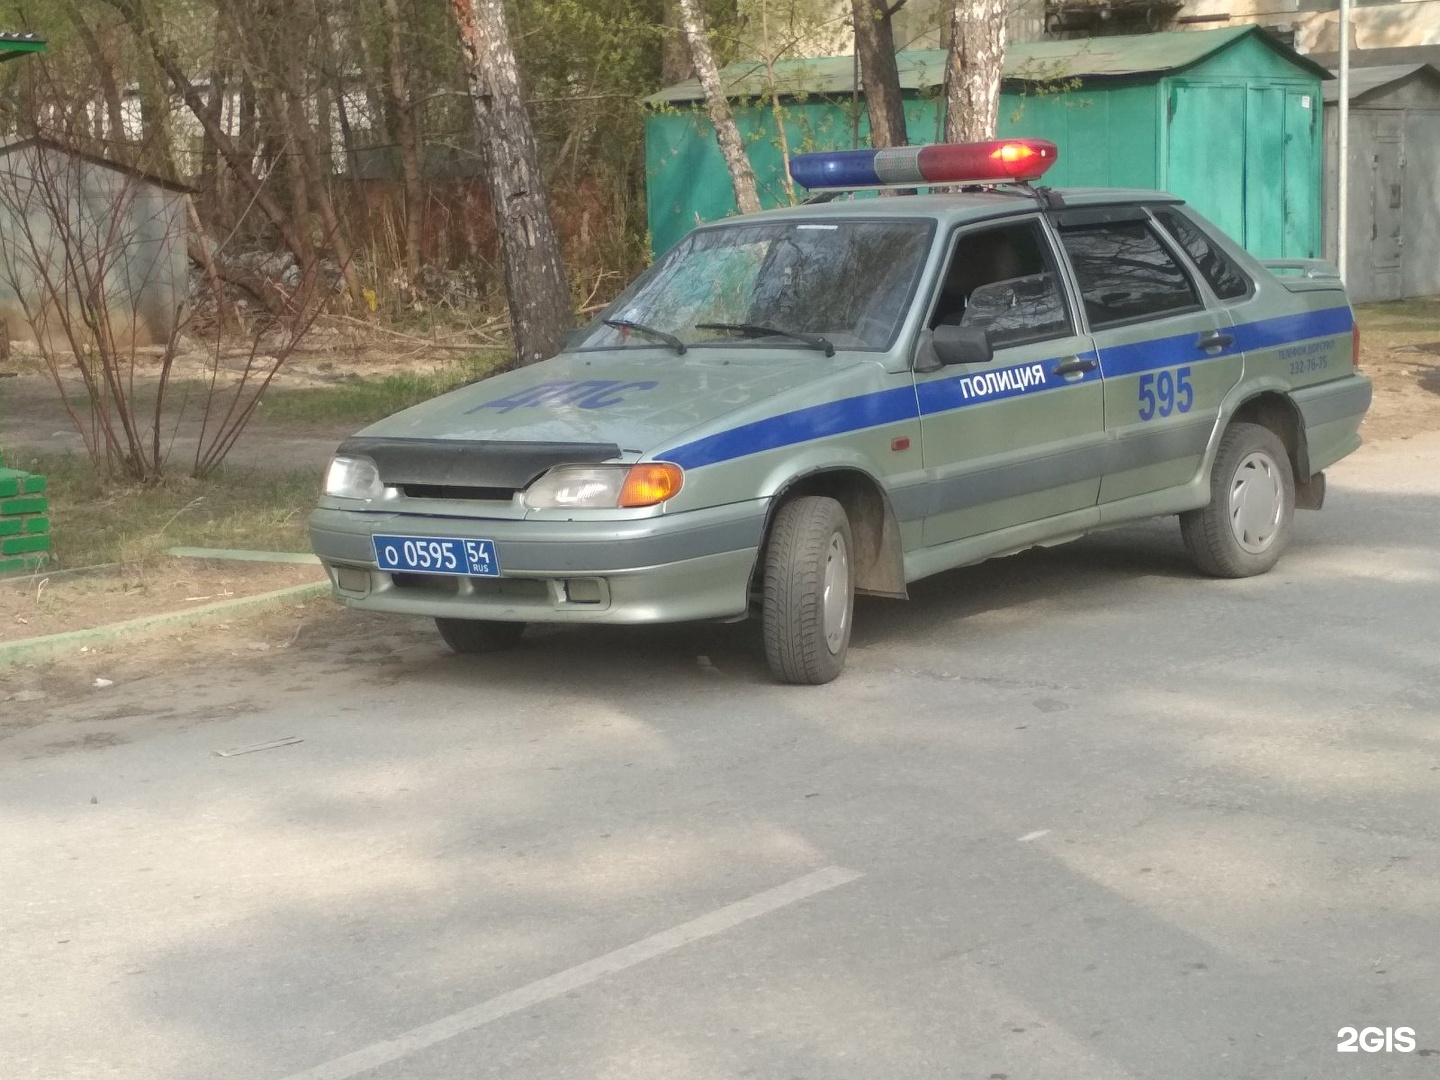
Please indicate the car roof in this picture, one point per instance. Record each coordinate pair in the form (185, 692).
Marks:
(955, 208)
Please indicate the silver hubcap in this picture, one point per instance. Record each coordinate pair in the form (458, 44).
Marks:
(835, 600)
(1257, 500)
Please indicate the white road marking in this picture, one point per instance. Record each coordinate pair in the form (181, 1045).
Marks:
(1033, 836)
(563, 982)
(288, 740)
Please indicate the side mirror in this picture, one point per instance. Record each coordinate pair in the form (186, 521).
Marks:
(963, 345)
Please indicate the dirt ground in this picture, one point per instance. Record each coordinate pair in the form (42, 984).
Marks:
(1403, 360)
(1400, 351)
(33, 418)
(262, 641)
(41, 604)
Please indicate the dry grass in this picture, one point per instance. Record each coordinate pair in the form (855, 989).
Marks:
(94, 522)
(357, 399)
(1400, 351)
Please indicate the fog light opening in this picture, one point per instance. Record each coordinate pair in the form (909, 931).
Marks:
(351, 579)
(584, 591)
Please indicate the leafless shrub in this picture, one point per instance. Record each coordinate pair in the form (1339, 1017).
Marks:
(94, 267)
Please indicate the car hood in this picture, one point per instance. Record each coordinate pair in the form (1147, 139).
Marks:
(635, 401)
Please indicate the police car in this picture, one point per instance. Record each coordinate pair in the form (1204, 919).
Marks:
(793, 407)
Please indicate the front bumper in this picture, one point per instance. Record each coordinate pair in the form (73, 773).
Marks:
(666, 568)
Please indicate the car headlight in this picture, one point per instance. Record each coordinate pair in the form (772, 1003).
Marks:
(605, 487)
(353, 478)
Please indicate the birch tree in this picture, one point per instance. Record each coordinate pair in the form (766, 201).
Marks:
(732, 147)
(541, 310)
(875, 49)
(972, 75)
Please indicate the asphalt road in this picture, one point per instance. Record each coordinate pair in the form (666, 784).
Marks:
(1075, 814)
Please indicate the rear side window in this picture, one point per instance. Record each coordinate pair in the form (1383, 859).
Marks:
(1126, 274)
(1226, 279)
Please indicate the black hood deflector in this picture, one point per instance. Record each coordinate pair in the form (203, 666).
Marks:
(462, 463)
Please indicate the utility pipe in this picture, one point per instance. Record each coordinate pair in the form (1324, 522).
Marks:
(1342, 180)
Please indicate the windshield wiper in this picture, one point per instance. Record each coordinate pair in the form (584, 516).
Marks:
(649, 331)
(815, 341)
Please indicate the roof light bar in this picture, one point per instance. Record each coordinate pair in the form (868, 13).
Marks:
(1006, 161)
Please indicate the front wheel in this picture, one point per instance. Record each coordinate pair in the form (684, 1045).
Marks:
(479, 635)
(1246, 526)
(809, 591)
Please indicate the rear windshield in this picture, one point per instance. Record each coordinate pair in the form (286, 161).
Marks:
(849, 282)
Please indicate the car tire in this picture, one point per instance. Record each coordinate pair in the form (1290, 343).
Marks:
(809, 594)
(479, 635)
(1246, 526)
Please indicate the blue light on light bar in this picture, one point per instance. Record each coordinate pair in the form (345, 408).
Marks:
(837, 169)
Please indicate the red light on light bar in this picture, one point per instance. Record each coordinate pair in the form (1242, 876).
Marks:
(1014, 152)
(1012, 159)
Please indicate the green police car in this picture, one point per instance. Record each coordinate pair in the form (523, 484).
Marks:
(793, 407)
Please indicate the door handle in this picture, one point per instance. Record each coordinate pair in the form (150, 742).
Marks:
(1075, 365)
(1215, 340)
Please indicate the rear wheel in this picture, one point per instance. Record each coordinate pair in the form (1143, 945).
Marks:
(479, 635)
(1246, 526)
(809, 591)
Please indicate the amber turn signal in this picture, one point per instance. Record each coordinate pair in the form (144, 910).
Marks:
(651, 482)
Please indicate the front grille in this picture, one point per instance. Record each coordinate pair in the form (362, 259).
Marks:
(457, 491)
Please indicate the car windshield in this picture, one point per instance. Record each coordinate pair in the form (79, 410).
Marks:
(791, 284)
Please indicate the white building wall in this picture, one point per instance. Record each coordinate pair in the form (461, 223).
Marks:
(1372, 26)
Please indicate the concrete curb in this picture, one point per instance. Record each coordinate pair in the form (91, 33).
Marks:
(14, 652)
(223, 554)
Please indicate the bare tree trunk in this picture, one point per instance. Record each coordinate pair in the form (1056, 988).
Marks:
(210, 201)
(347, 135)
(297, 184)
(336, 77)
(775, 109)
(104, 72)
(239, 164)
(247, 138)
(875, 47)
(972, 76)
(315, 174)
(197, 246)
(155, 123)
(675, 63)
(410, 172)
(732, 147)
(376, 113)
(541, 308)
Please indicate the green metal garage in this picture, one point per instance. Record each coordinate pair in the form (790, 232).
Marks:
(1229, 119)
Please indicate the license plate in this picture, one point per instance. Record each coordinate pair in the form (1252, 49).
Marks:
(437, 555)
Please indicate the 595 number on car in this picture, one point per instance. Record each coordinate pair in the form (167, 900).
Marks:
(1163, 393)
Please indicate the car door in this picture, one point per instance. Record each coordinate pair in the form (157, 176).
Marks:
(1168, 353)
(1021, 438)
